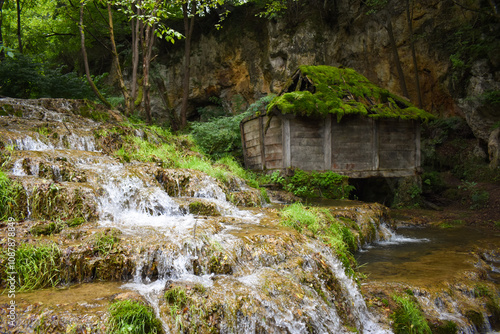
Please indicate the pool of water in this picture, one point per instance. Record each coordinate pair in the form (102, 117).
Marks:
(428, 255)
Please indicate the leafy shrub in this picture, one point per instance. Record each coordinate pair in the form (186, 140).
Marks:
(408, 318)
(132, 317)
(220, 136)
(432, 182)
(23, 77)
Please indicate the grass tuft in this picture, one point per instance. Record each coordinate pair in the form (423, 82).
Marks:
(408, 319)
(132, 317)
(37, 266)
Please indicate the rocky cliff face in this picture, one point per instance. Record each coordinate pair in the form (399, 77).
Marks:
(251, 56)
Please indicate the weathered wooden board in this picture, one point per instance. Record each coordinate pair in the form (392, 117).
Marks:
(251, 135)
(360, 147)
(253, 151)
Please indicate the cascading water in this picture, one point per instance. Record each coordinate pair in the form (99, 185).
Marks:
(129, 203)
(297, 287)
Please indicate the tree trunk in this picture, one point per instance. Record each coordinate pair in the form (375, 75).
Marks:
(2, 53)
(19, 41)
(137, 31)
(85, 59)
(413, 54)
(402, 82)
(147, 52)
(114, 51)
(188, 30)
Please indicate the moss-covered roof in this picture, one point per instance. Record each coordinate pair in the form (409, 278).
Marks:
(321, 90)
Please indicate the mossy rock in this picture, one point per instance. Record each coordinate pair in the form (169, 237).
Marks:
(46, 228)
(322, 90)
(247, 198)
(7, 110)
(476, 318)
(203, 208)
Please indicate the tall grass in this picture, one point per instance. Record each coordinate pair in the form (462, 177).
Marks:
(159, 145)
(132, 317)
(326, 228)
(38, 266)
(408, 319)
(9, 192)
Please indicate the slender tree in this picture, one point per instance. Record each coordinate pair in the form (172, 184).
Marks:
(19, 40)
(85, 58)
(2, 54)
(147, 17)
(116, 61)
(188, 32)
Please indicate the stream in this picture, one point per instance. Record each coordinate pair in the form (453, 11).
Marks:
(427, 255)
(177, 228)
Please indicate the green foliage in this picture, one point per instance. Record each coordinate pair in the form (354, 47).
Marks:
(9, 193)
(231, 165)
(322, 225)
(131, 317)
(408, 318)
(177, 299)
(445, 327)
(432, 182)
(160, 146)
(314, 184)
(341, 91)
(37, 266)
(467, 44)
(298, 216)
(478, 198)
(23, 77)
(219, 136)
(47, 228)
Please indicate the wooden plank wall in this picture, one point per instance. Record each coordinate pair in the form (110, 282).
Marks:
(273, 143)
(361, 146)
(306, 143)
(397, 144)
(352, 144)
(252, 144)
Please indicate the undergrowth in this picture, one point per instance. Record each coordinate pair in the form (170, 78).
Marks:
(323, 226)
(178, 151)
(132, 317)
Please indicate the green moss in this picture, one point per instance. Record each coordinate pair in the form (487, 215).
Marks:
(91, 110)
(321, 90)
(203, 209)
(475, 317)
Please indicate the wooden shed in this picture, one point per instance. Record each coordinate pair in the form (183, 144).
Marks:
(334, 119)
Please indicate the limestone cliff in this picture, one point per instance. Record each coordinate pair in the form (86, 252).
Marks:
(251, 56)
